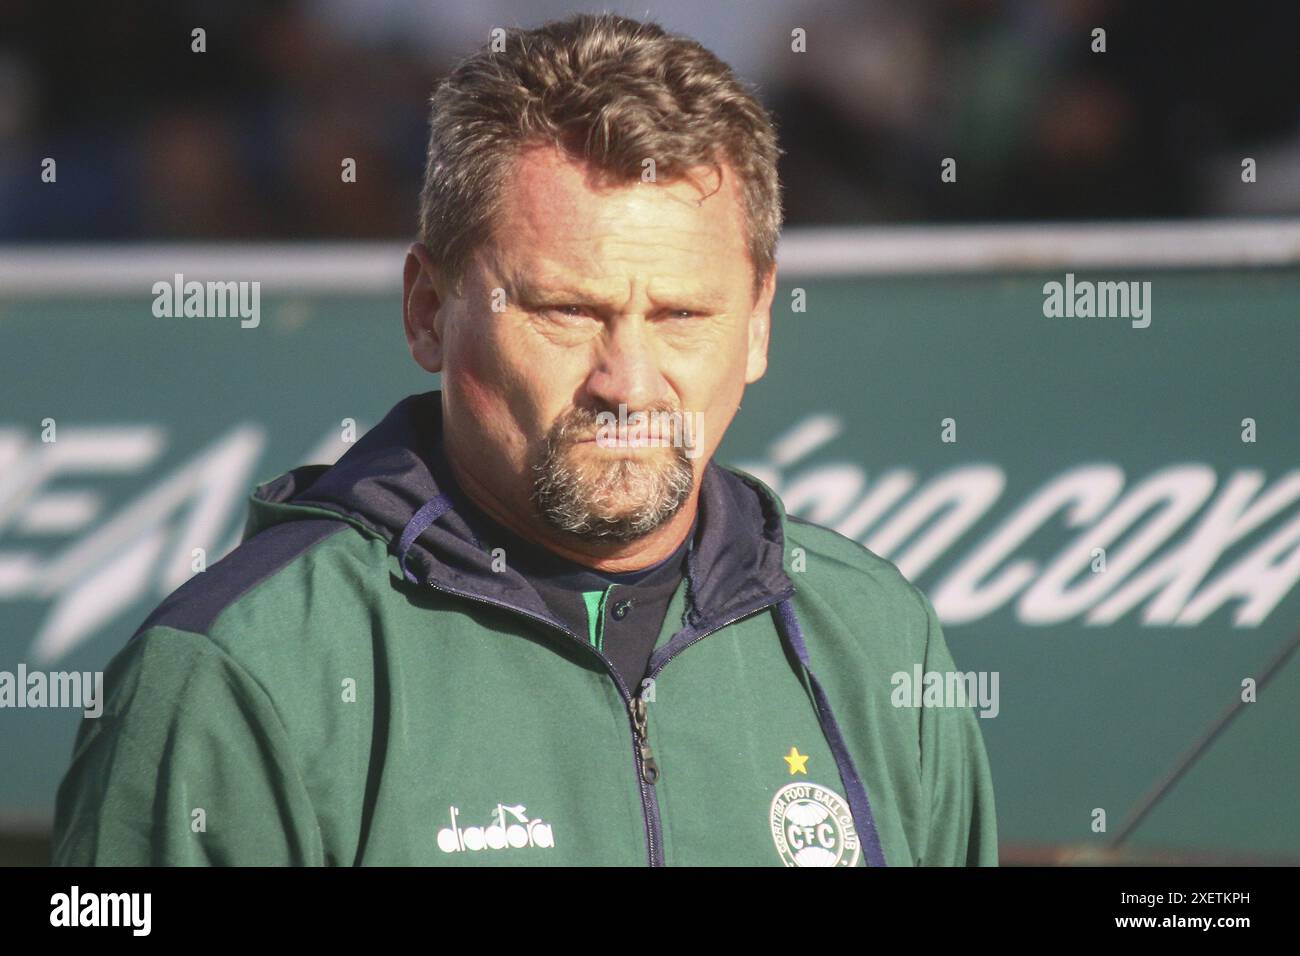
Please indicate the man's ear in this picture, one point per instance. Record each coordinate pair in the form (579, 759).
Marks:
(420, 306)
(760, 328)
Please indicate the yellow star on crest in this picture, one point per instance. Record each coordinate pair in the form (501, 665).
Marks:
(798, 762)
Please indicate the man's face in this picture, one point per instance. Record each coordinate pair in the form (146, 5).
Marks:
(591, 298)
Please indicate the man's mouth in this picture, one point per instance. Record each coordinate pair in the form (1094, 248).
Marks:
(640, 440)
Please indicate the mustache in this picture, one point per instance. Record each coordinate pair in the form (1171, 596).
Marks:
(583, 424)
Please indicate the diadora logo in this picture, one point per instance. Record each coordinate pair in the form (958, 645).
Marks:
(812, 826)
(501, 834)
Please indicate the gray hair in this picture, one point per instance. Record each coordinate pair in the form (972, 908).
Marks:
(605, 89)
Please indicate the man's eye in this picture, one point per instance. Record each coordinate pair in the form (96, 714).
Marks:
(567, 311)
(581, 311)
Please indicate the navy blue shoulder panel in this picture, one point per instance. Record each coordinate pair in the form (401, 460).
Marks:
(195, 604)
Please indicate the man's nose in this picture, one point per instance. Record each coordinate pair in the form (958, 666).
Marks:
(626, 370)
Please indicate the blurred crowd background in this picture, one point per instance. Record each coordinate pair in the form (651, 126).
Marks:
(244, 141)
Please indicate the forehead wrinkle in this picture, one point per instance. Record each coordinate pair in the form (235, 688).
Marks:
(534, 278)
(562, 242)
(529, 282)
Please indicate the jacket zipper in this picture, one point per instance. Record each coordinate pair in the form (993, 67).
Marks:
(647, 768)
(640, 733)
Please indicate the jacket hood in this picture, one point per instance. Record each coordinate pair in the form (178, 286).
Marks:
(396, 468)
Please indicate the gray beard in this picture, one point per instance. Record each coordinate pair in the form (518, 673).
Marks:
(619, 499)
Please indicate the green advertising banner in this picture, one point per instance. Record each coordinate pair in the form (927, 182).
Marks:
(1093, 473)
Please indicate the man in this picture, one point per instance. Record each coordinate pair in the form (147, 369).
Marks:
(504, 628)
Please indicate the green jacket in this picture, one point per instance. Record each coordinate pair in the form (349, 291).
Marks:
(357, 684)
